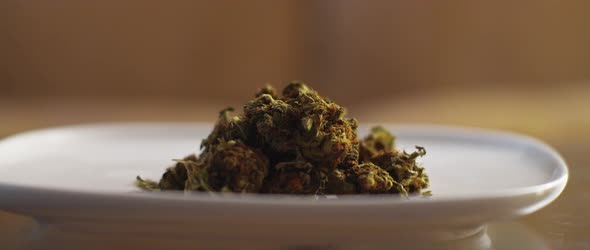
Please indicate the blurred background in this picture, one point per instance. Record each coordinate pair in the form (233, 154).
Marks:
(519, 65)
(515, 65)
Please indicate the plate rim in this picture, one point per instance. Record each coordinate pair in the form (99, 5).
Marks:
(270, 199)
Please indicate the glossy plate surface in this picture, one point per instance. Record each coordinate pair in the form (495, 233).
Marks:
(81, 179)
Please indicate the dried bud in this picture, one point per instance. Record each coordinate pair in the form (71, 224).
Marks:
(370, 178)
(300, 143)
(197, 175)
(350, 159)
(227, 128)
(404, 169)
(147, 185)
(330, 144)
(267, 89)
(323, 134)
(175, 177)
(378, 141)
(273, 122)
(236, 167)
(295, 177)
(295, 88)
(339, 183)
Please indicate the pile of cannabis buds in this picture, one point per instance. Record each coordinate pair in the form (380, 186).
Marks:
(300, 143)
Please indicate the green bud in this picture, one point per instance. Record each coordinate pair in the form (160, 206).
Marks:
(378, 141)
(294, 177)
(370, 178)
(237, 167)
(297, 143)
(404, 168)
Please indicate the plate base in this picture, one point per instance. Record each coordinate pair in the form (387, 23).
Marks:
(78, 235)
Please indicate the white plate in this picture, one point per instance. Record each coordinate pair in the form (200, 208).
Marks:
(80, 179)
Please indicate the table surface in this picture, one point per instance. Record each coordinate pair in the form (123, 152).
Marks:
(558, 116)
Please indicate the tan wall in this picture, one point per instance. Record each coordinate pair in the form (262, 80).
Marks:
(221, 49)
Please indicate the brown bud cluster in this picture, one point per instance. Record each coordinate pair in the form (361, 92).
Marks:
(296, 143)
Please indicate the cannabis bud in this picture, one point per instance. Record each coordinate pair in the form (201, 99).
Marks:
(236, 167)
(297, 143)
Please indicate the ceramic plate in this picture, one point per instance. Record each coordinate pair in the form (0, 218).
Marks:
(79, 179)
